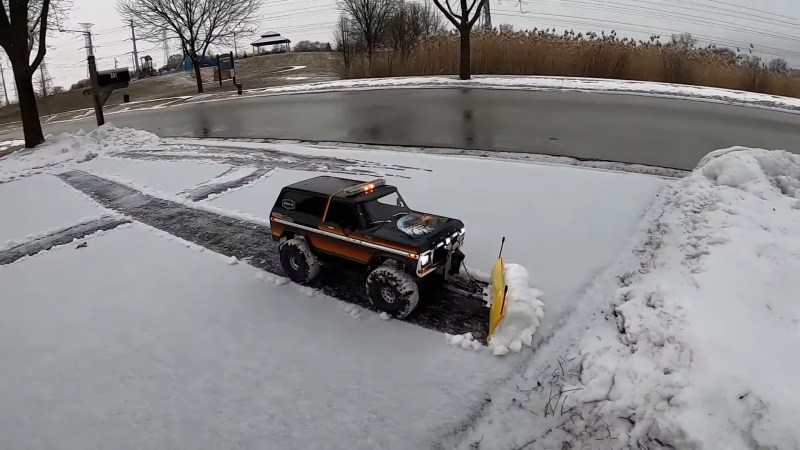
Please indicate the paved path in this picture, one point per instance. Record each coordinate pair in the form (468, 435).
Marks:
(616, 127)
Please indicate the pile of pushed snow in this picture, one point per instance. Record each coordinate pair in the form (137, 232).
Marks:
(69, 148)
(524, 311)
(703, 353)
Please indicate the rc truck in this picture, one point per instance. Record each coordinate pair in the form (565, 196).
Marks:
(332, 219)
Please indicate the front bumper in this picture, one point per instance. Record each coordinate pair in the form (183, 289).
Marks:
(442, 254)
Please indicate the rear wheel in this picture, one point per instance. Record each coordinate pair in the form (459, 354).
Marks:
(392, 290)
(299, 264)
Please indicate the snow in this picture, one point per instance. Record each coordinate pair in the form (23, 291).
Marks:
(524, 312)
(546, 83)
(162, 343)
(40, 204)
(551, 221)
(71, 148)
(4, 145)
(714, 322)
(689, 340)
(232, 175)
(165, 176)
(257, 198)
(140, 342)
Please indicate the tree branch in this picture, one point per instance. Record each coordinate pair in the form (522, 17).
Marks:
(42, 35)
(446, 13)
(478, 14)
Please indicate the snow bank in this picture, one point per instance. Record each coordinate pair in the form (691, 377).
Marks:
(524, 311)
(704, 351)
(77, 147)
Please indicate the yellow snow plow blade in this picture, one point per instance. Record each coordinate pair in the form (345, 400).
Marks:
(498, 310)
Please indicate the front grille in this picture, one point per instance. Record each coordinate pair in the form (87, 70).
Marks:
(439, 254)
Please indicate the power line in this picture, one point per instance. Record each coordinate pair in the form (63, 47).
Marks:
(748, 8)
(634, 10)
(590, 22)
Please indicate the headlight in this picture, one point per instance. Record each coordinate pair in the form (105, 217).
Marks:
(424, 259)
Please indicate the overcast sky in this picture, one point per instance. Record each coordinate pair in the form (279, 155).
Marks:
(771, 26)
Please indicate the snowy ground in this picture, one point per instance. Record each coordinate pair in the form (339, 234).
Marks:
(38, 205)
(659, 297)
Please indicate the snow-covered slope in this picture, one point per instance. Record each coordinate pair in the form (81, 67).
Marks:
(707, 352)
(690, 340)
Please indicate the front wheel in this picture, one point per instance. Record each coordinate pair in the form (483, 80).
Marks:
(392, 290)
(299, 264)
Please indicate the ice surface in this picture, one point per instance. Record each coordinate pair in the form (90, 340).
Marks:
(546, 83)
(36, 205)
(139, 342)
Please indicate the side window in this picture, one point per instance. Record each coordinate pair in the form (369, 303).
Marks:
(303, 203)
(342, 214)
(310, 204)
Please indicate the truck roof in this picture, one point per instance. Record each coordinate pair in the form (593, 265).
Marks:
(327, 185)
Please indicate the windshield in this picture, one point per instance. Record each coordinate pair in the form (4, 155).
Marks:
(385, 208)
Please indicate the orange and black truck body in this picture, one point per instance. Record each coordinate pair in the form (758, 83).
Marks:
(367, 223)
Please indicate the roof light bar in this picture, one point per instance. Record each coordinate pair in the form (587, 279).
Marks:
(364, 187)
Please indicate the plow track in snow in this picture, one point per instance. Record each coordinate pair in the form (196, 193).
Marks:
(252, 243)
(61, 237)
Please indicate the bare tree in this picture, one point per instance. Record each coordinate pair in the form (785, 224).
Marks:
(197, 23)
(410, 22)
(23, 28)
(778, 66)
(463, 16)
(684, 41)
(369, 18)
(345, 41)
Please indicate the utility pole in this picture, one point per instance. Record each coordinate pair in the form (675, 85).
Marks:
(135, 52)
(3, 76)
(42, 80)
(165, 45)
(87, 36)
(487, 16)
(235, 49)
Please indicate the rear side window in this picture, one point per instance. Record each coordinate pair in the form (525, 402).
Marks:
(302, 203)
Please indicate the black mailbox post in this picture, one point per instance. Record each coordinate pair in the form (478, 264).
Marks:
(103, 83)
(114, 79)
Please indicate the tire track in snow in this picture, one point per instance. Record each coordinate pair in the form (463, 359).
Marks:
(203, 191)
(61, 237)
(252, 243)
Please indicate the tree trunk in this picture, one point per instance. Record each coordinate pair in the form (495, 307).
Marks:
(465, 68)
(196, 65)
(29, 112)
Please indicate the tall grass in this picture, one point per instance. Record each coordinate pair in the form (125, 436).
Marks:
(540, 52)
